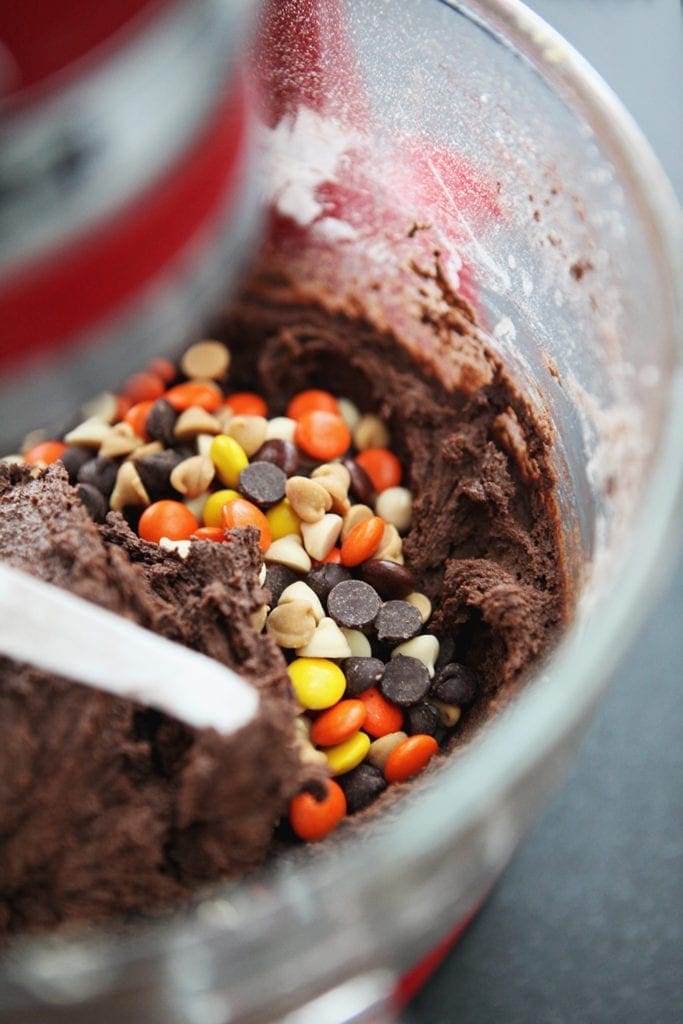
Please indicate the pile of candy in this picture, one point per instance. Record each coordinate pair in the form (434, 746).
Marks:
(187, 461)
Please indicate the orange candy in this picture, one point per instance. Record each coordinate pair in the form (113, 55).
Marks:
(381, 716)
(169, 519)
(143, 386)
(136, 417)
(308, 401)
(382, 467)
(322, 435)
(243, 513)
(246, 403)
(338, 723)
(410, 757)
(216, 533)
(123, 404)
(45, 453)
(163, 368)
(311, 819)
(194, 392)
(333, 556)
(362, 541)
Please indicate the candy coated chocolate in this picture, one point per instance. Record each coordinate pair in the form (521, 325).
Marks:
(283, 454)
(389, 579)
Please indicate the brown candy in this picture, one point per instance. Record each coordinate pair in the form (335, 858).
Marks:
(283, 454)
(353, 604)
(389, 579)
(263, 483)
(361, 485)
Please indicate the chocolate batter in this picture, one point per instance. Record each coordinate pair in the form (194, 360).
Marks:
(106, 807)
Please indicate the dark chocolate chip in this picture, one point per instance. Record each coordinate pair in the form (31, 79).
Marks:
(397, 621)
(388, 578)
(405, 681)
(73, 457)
(263, 483)
(278, 578)
(161, 421)
(283, 454)
(95, 503)
(100, 473)
(361, 674)
(362, 785)
(325, 577)
(455, 684)
(155, 472)
(361, 486)
(446, 651)
(353, 604)
(421, 718)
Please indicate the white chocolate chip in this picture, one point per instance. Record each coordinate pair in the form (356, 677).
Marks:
(300, 591)
(319, 538)
(280, 428)
(91, 433)
(207, 360)
(262, 573)
(203, 442)
(13, 460)
(119, 440)
(196, 506)
(249, 432)
(356, 514)
(350, 413)
(194, 421)
(425, 648)
(370, 432)
(258, 618)
(153, 448)
(180, 547)
(289, 551)
(395, 506)
(381, 748)
(193, 476)
(224, 417)
(358, 642)
(128, 489)
(332, 469)
(391, 546)
(308, 498)
(449, 714)
(328, 641)
(292, 624)
(102, 407)
(422, 603)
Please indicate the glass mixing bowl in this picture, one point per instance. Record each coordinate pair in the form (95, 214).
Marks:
(478, 122)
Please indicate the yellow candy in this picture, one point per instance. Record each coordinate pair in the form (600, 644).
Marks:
(318, 683)
(283, 520)
(229, 458)
(349, 754)
(211, 513)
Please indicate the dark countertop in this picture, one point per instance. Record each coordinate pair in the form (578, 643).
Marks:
(586, 925)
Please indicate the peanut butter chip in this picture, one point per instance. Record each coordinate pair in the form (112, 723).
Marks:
(292, 624)
(300, 591)
(370, 432)
(391, 546)
(91, 433)
(193, 476)
(194, 421)
(128, 489)
(120, 440)
(207, 360)
(381, 748)
(289, 551)
(248, 431)
(308, 498)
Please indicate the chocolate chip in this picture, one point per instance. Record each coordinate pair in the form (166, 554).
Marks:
(397, 621)
(278, 578)
(446, 651)
(283, 454)
(455, 684)
(421, 718)
(73, 457)
(388, 578)
(263, 483)
(361, 485)
(160, 422)
(361, 674)
(353, 604)
(100, 473)
(362, 785)
(405, 681)
(155, 472)
(94, 501)
(325, 577)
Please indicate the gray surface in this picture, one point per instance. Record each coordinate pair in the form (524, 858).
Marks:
(586, 925)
